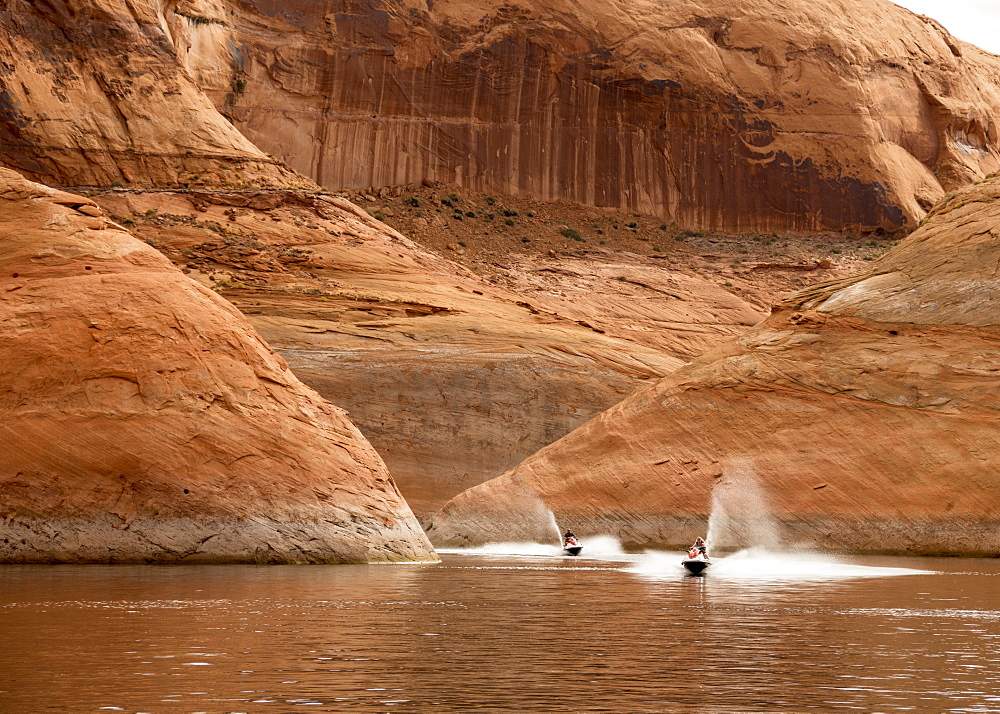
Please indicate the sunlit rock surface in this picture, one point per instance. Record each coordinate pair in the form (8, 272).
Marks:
(727, 114)
(862, 415)
(142, 419)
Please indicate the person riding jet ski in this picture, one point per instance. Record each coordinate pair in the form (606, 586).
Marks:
(699, 547)
(571, 546)
(696, 560)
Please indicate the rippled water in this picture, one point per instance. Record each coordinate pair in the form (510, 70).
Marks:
(503, 628)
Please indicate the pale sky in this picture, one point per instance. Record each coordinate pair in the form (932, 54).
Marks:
(975, 21)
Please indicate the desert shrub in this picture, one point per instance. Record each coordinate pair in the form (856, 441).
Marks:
(571, 233)
(412, 201)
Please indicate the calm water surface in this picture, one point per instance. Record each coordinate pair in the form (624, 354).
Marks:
(498, 631)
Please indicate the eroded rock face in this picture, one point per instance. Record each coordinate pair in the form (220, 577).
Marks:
(92, 93)
(143, 420)
(862, 415)
(725, 114)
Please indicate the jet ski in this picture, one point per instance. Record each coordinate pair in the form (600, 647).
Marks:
(572, 547)
(695, 562)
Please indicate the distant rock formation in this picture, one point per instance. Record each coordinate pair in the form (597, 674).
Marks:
(143, 420)
(863, 415)
(723, 114)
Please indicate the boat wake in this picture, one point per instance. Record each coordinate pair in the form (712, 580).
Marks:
(594, 547)
(763, 564)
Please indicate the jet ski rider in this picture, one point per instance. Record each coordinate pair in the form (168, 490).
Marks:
(699, 545)
(569, 538)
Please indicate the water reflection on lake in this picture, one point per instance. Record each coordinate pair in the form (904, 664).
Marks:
(504, 629)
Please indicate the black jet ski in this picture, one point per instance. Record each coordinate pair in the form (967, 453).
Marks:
(572, 547)
(695, 562)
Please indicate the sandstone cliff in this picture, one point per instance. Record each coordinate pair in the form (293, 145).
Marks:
(92, 93)
(454, 378)
(143, 420)
(865, 410)
(726, 114)
(799, 114)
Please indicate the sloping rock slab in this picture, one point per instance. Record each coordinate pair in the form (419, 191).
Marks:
(143, 420)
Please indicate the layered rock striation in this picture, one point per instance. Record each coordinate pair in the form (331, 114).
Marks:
(142, 419)
(724, 114)
(863, 415)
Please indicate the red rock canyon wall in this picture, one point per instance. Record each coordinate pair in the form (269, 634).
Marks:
(722, 114)
(725, 114)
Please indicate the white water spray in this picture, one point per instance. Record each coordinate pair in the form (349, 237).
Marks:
(742, 520)
(602, 547)
(555, 526)
(741, 512)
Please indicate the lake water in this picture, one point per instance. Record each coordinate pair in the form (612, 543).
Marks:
(506, 628)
